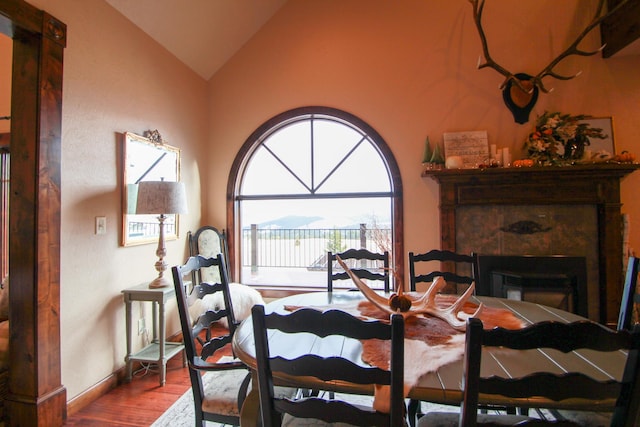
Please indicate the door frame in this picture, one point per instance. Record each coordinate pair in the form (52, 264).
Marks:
(36, 396)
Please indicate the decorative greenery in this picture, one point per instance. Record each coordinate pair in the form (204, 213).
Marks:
(334, 241)
(437, 158)
(426, 156)
(560, 138)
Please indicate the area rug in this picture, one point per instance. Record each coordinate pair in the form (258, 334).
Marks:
(181, 413)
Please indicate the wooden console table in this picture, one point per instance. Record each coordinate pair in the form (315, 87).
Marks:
(158, 351)
(594, 184)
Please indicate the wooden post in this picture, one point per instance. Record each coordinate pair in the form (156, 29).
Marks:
(36, 396)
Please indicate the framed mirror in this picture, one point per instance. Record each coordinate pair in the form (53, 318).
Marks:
(146, 159)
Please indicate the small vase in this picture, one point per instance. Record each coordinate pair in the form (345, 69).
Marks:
(574, 148)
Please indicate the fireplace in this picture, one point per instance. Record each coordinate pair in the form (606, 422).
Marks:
(555, 281)
(543, 212)
(548, 238)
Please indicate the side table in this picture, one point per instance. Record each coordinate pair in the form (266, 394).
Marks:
(158, 351)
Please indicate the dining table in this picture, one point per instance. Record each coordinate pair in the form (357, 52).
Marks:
(443, 383)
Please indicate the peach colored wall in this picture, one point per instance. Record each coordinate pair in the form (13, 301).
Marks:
(409, 70)
(6, 50)
(116, 79)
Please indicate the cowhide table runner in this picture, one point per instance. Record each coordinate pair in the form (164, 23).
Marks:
(429, 341)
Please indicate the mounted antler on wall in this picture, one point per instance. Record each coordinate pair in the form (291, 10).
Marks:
(520, 90)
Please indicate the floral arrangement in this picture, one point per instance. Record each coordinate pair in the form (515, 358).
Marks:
(560, 138)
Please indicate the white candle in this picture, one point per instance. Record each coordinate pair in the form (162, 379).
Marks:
(506, 156)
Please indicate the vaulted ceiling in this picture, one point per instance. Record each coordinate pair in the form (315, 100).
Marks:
(203, 34)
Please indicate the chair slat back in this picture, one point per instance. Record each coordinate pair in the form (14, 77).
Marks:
(564, 337)
(199, 344)
(630, 295)
(323, 324)
(202, 346)
(442, 263)
(443, 256)
(366, 265)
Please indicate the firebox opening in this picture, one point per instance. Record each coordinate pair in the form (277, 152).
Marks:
(555, 281)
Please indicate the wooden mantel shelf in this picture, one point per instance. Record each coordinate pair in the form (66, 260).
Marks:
(586, 171)
(533, 185)
(594, 184)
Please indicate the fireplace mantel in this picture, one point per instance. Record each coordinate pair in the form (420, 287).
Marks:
(597, 184)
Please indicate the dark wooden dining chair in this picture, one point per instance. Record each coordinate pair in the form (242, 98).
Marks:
(630, 295)
(558, 385)
(208, 241)
(219, 387)
(364, 263)
(431, 258)
(323, 324)
(431, 264)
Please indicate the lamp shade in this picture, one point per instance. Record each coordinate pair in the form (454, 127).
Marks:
(161, 197)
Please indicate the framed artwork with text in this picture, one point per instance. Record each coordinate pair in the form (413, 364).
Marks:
(471, 146)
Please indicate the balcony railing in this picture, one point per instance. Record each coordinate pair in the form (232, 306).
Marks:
(306, 248)
(149, 229)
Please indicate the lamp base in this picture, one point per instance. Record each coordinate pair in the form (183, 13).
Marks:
(159, 282)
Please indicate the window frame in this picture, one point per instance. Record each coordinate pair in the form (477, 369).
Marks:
(5, 160)
(258, 136)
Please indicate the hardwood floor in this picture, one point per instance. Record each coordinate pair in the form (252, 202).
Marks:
(138, 403)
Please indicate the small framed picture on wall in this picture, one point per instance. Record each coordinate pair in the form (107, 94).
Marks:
(597, 145)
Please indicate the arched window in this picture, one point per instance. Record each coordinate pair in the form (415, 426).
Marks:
(307, 181)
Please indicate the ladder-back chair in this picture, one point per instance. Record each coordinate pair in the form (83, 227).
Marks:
(323, 324)
(364, 264)
(220, 398)
(560, 384)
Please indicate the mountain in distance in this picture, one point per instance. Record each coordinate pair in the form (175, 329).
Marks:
(290, 221)
(313, 222)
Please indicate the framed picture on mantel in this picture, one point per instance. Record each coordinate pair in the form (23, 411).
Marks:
(607, 144)
(471, 146)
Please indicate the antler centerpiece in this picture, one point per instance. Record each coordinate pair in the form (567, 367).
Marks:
(426, 304)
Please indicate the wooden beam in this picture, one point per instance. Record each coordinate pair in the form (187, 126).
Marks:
(36, 396)
(620, 29)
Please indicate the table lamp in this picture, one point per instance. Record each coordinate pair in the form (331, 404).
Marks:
(161, 197)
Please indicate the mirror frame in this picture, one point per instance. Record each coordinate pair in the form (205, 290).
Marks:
(144, 159)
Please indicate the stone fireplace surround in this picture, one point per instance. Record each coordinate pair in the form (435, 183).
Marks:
(572, 210)
(549, 235)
